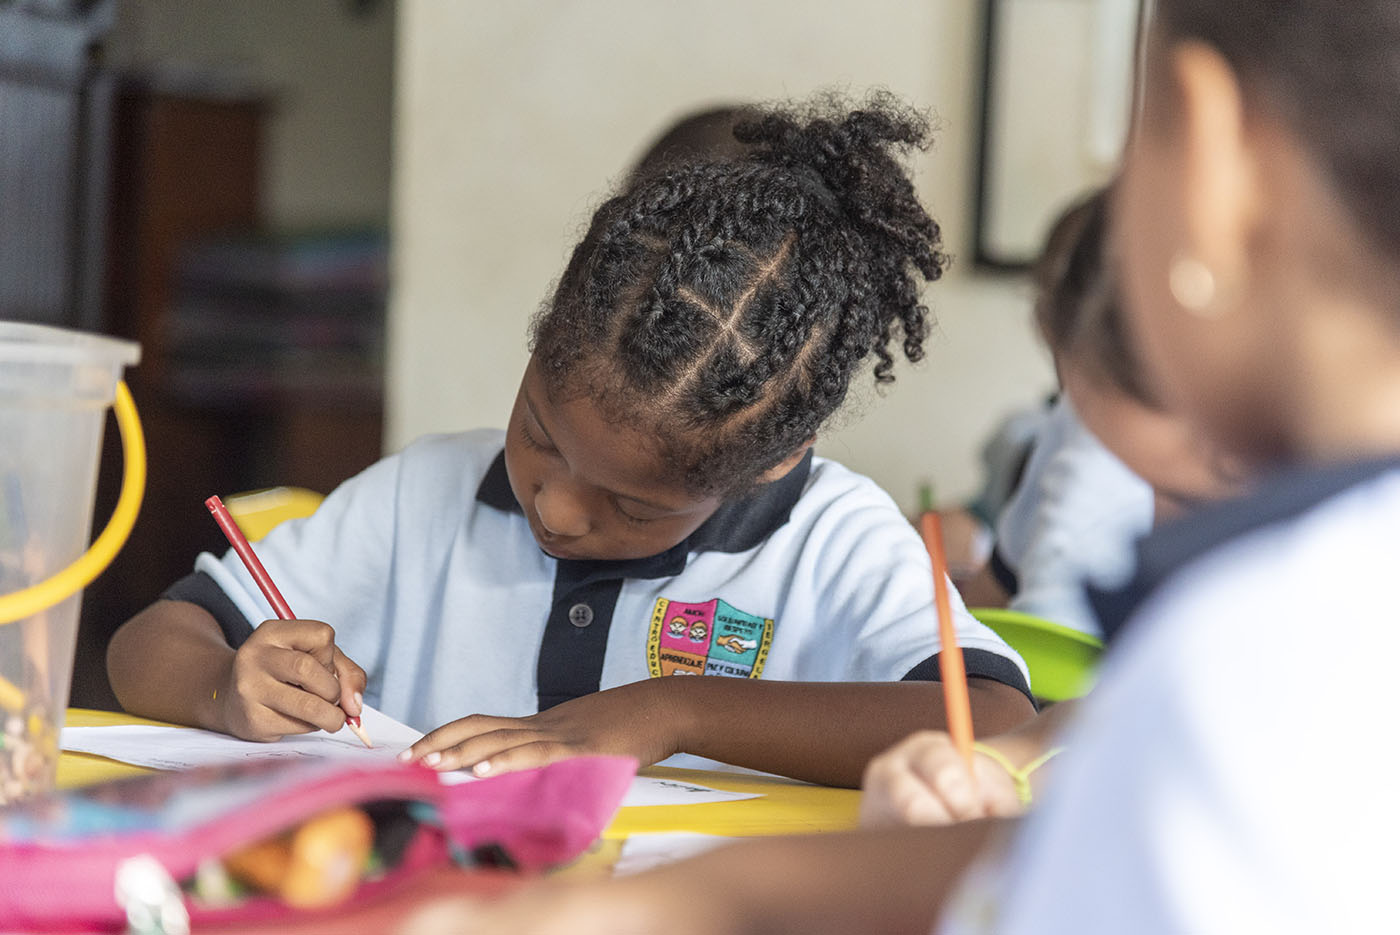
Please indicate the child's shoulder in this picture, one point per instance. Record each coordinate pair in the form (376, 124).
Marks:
(830, 481)
(836, 496)
(437, 471)
(459, 458)
(1303, 547)
(463, 449)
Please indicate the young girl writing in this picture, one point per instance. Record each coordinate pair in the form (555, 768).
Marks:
(1223, 776)
(652, 509)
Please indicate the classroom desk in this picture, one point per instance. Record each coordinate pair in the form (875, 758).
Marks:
(784, 806)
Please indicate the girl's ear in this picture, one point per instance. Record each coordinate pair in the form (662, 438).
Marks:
(1220, 172)
(781, 469)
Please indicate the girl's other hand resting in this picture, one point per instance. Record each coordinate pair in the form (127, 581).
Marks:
(631, 720)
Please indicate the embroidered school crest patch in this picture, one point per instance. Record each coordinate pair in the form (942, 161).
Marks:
(713, 638)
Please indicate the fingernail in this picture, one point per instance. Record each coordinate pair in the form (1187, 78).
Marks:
(482, 768)
(405, 756)
(359, 701)
(433, 759)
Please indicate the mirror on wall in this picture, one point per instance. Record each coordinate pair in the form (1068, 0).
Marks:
(1056, 99)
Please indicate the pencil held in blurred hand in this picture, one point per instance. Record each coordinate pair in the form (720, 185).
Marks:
(957, 705)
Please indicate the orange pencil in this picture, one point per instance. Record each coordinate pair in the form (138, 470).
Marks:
(240, 544)
(956, 703)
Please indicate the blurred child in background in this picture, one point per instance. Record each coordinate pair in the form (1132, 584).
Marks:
(1107, 461)
(1074, 520)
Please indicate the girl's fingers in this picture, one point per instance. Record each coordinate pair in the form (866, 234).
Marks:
(914, 802)
(901, 797)
(468, 753)
(301, 670)
(455, 732)
(312, 637)
(946, 775)
(301, 710)
(524, 756)
(352, 683)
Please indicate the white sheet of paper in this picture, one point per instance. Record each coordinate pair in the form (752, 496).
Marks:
(651, 790)
(648, 851)
(188, 747)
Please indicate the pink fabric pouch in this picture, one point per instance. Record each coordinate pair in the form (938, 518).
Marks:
(114, 855)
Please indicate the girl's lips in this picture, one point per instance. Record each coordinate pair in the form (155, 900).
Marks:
(557, 553)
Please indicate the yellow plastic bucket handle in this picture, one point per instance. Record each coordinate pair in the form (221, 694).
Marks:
(71, 580)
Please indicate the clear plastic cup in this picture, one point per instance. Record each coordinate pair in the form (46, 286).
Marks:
(55, 387)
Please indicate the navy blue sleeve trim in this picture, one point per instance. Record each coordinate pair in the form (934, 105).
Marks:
(199, 588)
(1004, 574)
(980, 664)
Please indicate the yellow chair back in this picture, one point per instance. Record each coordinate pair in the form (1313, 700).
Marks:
(257, 511)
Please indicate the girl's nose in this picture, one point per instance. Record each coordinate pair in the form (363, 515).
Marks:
(561, 511)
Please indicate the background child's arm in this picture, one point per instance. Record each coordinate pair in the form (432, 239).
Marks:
(171, 662)
(892, 881)
(822, 732)
(983, 589)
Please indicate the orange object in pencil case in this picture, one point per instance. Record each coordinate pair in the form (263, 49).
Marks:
(318, 864)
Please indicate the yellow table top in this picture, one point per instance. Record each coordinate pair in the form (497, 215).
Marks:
(785, 806)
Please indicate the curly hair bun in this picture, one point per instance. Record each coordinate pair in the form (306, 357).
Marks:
(736, 298)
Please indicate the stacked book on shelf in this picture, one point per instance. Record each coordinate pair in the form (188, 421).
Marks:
(260, 318)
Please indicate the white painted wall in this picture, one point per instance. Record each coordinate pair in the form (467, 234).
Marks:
(512, 118)
(329, 77)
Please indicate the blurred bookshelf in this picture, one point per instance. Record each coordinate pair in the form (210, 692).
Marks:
(262, 319)
(262, 351)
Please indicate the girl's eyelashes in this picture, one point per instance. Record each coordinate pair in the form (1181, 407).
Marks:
(632, 520)
(529, 439)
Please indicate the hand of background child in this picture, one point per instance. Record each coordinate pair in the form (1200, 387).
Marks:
(288, 678)
(922, 780)
(630, 720)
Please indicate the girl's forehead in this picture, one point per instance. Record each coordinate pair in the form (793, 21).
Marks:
(621, 456)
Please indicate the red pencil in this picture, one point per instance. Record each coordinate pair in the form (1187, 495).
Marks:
(255, 568)
(956, 703)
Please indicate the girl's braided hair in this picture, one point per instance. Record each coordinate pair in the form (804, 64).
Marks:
(723, 307)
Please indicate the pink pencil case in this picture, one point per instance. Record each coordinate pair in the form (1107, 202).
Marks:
(117, 854)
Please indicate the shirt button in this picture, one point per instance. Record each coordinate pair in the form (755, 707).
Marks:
(580, 615)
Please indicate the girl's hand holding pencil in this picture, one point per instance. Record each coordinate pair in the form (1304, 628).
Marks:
(289, 678)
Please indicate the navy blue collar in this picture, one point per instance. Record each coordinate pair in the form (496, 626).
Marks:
(737, 526)
(1281, 497)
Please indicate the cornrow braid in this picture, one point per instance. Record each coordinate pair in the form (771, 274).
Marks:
(725, 306)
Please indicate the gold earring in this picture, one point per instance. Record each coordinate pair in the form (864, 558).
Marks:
(1192, 284)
